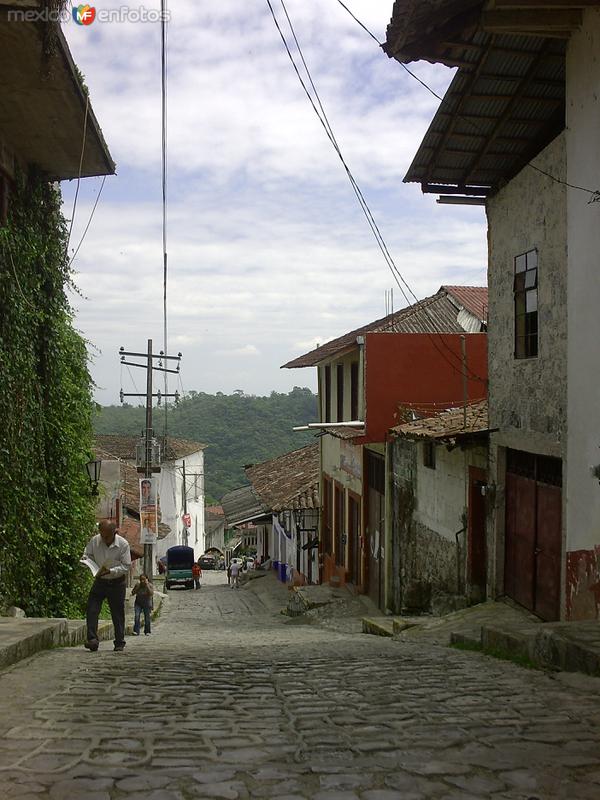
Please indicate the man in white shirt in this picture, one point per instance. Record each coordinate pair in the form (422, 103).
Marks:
(111, 552)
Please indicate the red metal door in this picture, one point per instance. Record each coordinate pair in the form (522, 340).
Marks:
(534, 532)
(519, 567)
(548, 551)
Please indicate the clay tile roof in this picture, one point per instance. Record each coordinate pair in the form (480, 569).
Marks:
(217, 510)
(123, 447)
(130, 530)
(131, 486)
(448, 424)
(289, 481)
(435, 314)
(242, 505)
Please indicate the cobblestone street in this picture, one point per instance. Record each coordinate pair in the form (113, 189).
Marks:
(228, 699)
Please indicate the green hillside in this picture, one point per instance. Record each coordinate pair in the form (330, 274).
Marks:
(238, 429)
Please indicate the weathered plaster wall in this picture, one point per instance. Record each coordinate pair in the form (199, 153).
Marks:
(428, 508)
(442, 492)
(332, 450)
(331, 453)
(528, 397)
(583, 442)
(109, 490)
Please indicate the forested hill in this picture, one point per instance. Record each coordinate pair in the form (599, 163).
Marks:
(238, 429)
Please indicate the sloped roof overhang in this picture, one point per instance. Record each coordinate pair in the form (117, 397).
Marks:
(507, 100)
(43, 101)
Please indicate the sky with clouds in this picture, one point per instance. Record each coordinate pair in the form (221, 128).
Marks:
(269, 253)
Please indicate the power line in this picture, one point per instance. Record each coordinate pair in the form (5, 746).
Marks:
(329, 132)
(362, 201)
(356, 19)
(163, 92)
(83, 138)
(74, 256)
(595, 193)
(397, 275)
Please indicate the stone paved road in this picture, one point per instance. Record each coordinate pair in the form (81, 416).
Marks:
(227, 699)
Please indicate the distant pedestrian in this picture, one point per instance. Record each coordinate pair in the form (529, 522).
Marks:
(234, 569)
(196, 574)
(228, 574)
(143, 591)
(111, 554)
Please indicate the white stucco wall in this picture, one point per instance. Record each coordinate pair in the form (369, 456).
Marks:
(441, 498)
(346, 360)
(109, 490)
(583, 154)
(171, 503)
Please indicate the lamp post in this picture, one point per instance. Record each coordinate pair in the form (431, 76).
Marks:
(93, 470)
(306, 520)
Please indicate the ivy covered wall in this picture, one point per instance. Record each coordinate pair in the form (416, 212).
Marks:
(46, 513)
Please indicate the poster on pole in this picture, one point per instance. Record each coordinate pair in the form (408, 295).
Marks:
(149, 526)
(148, 493)
(149, 510)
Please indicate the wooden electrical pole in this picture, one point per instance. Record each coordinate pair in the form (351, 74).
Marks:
(149, 468)
(463, 350)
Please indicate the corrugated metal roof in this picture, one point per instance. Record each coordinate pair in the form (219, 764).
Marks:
(504, 105)
(435, 314)
(242, 505)
(289, 481)
(448, 424)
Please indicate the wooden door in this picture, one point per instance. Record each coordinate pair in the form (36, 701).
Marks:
(354, 538)
(339, 526)
(548, 551)
(375, 527)
(520, 539)
(533, 532)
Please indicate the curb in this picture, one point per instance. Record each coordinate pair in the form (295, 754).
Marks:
(544, 647)
(46, 634)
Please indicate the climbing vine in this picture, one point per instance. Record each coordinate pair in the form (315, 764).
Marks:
(46, 513)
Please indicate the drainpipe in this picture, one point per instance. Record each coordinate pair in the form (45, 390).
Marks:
(456, 535)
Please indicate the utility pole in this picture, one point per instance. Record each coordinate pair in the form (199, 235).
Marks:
(463, 348)
(185, 527)
(148, 468)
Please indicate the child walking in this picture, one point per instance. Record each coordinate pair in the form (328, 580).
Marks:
(197, 574)
(143, 591)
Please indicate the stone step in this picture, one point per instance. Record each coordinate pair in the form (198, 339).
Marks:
(570, 646)
(378, 626)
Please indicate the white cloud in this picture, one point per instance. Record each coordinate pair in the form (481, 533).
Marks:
(268, 250)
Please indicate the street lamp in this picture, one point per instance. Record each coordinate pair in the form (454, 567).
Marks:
(306, 521)
(93, 471)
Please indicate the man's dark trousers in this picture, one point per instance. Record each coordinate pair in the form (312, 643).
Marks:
(114, 592)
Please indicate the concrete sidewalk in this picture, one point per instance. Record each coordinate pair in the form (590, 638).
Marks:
(504, 629)
(21, 637)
